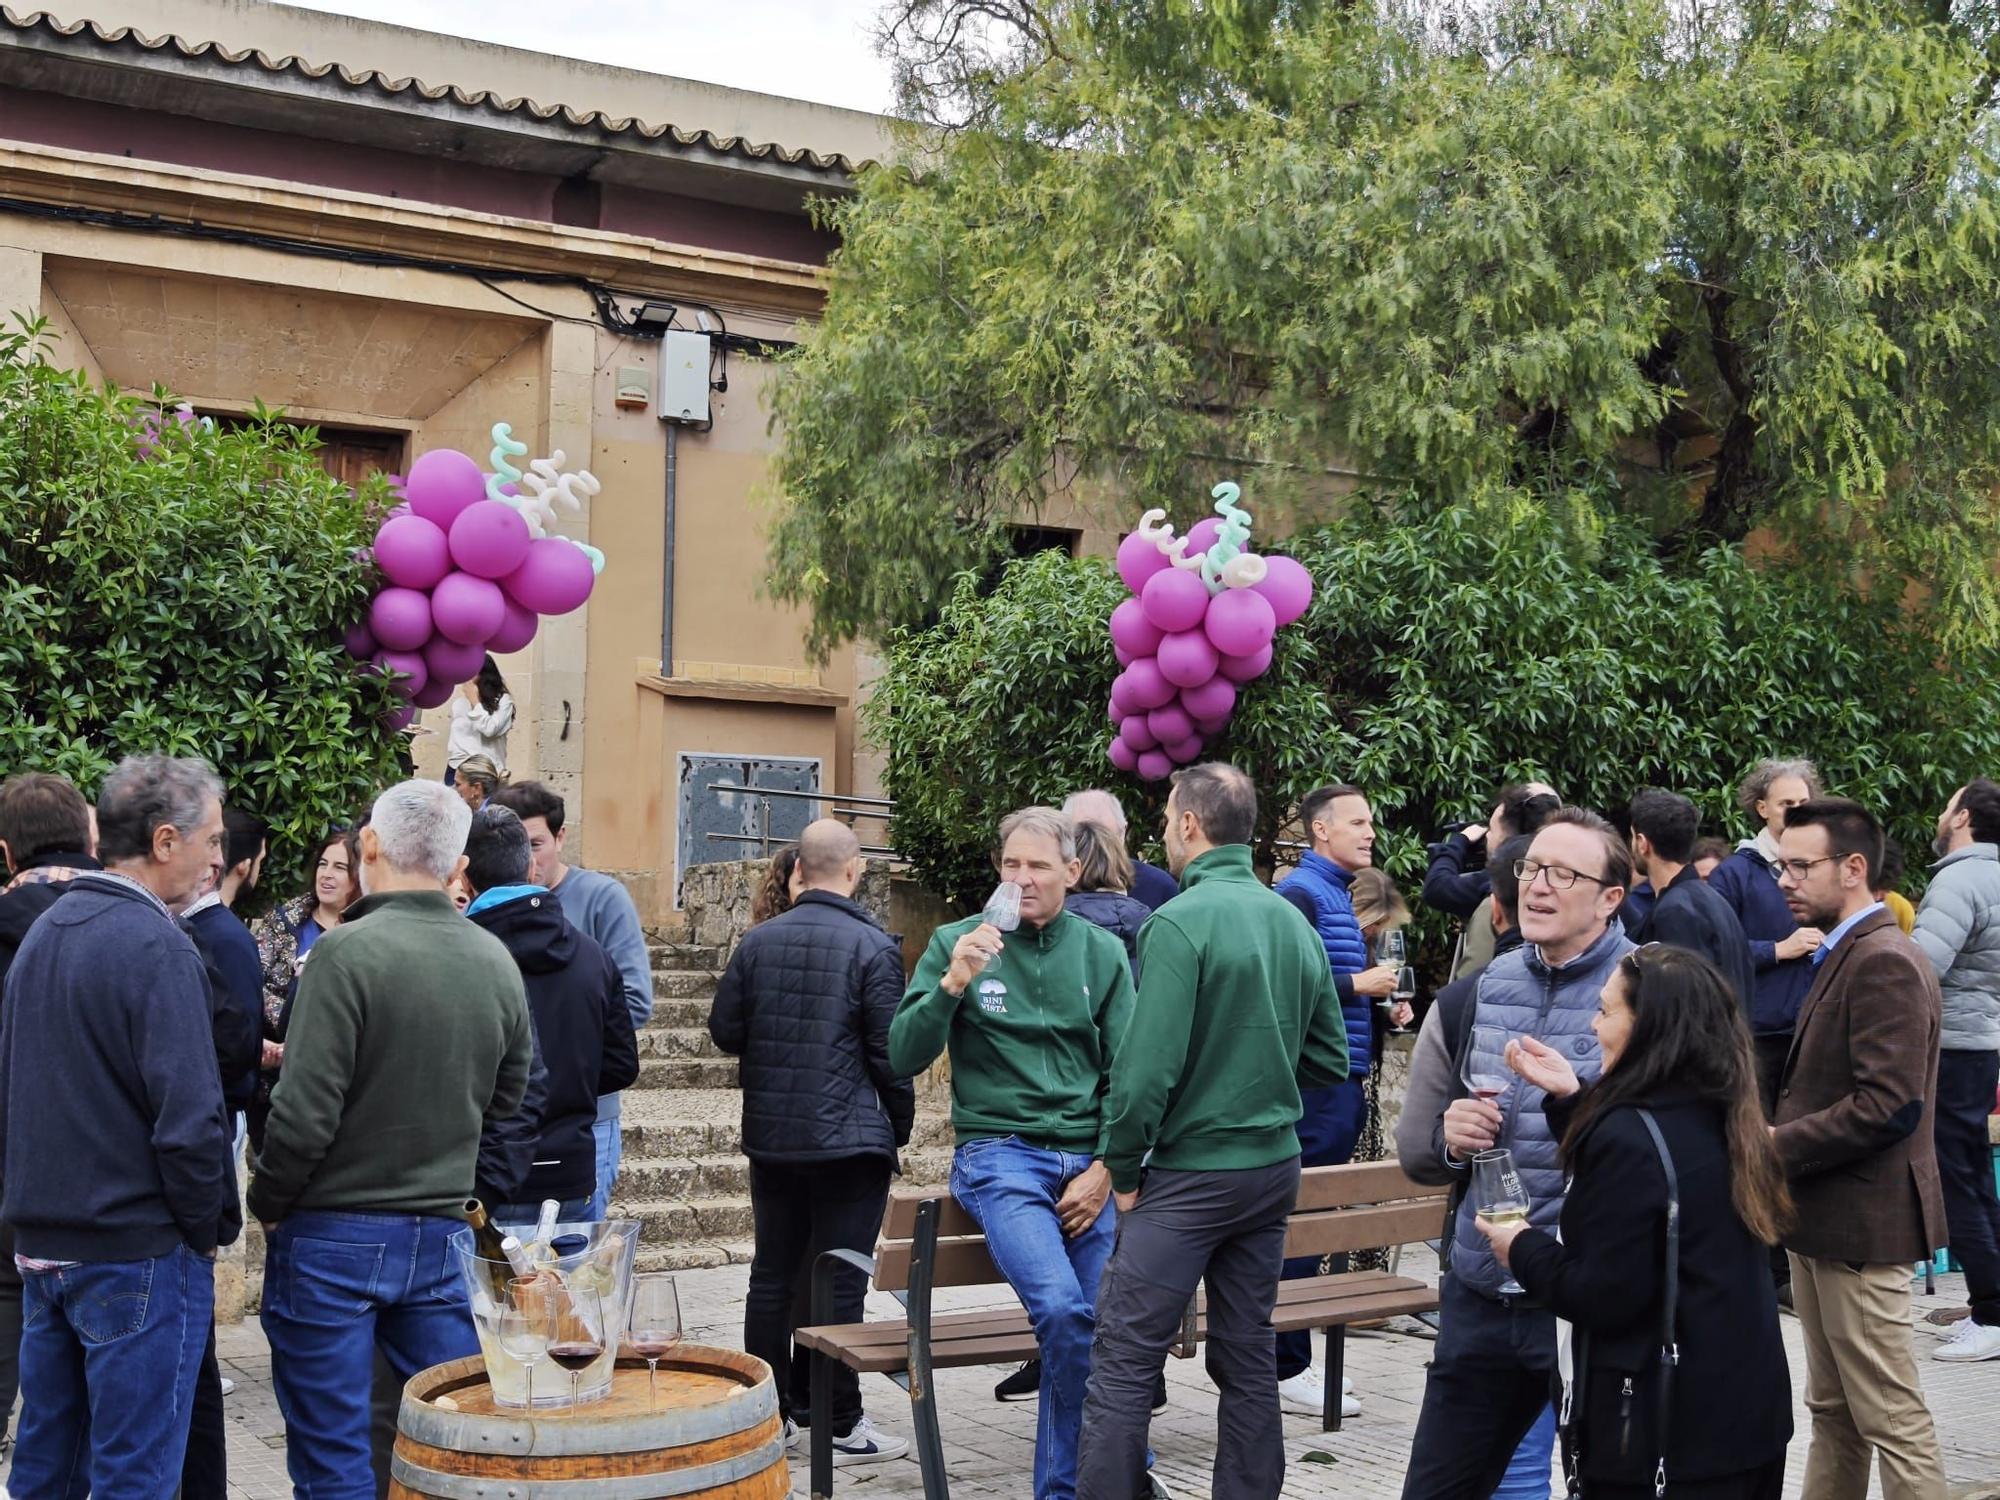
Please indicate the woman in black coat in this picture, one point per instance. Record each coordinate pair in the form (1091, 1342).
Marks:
(1674, 1044)
(1101, 893)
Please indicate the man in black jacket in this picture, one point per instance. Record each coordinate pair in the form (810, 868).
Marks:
(806, 1003)
(1685, 912)
(583, 1032)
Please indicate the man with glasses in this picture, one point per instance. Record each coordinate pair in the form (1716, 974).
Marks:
(1496, 1351)
(1854, 1135)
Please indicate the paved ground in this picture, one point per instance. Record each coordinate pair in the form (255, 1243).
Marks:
(990, 1446)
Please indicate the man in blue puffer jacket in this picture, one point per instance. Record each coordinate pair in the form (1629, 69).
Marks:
(1341, 826)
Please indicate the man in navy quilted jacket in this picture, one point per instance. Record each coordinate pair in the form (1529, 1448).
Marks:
(806, 1003)
(1341, 825)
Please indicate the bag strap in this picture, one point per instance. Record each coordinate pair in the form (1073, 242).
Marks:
(1670, 1349)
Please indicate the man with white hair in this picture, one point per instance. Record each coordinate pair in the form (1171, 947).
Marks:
(1151, 886)
(409, 1032)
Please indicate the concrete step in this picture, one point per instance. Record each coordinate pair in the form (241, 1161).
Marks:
(685, 956)
(672, 1014)
(656, 1073)
(690, 1178)
(677, 1123)
(684, 984)
(677, 1041)
(692, 1257)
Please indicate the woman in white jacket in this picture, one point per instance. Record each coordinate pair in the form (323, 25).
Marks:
(481, 714)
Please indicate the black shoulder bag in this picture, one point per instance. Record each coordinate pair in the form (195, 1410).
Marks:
(1670, 1349)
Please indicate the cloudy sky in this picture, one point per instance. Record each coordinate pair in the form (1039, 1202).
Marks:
(804, 49)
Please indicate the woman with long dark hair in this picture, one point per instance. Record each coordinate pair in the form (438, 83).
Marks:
(285, 936)
(481, 714)
(779, 888)
(1677, 1056)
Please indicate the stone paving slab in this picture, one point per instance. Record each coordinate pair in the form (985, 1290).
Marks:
(990, 1445)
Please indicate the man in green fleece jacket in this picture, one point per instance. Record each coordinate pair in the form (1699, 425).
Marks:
(1031, 1018)
(1239, 1012)
(410, 1031)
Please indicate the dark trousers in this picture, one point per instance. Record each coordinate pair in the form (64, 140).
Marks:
(801, 1209)
(10, 1328)
(205, 1469)
(1222, 1229)
(1767, 1483)
(1490, 1376)
(1772, 1052)
(1328, 1133)
(1965, 1085)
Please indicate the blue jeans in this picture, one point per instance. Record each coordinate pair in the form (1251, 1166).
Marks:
(610, 1151)
(337, 1286)
(1011, 1188)
(1528, 1470)
(109, 1351)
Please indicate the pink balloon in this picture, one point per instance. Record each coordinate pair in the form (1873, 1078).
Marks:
(1202, 536)
(553, 579)
(1245, 668)
(1122, 701)
(1208, 729)
(1132, 632)
(468, 609)
(1187, 659)
(1170, 723)
(515, 631)
(1125, 658)
(400, 619)
(442, 483)
(435, 695)
(409, 668)
(489, 540)
(1240, 622)
(1135, 733)
(1288, 587)
(360, 641)
(400, 510)
(1115, 714)
(1214, 699)
(1154, 766)
(1175, 600)
(1147, 689)
(451, 661)
(1123, 756)
(1185, 752)
(411, 552)
(1138, 560)
(399, 719)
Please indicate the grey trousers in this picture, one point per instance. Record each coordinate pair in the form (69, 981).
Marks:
(1226, 1229)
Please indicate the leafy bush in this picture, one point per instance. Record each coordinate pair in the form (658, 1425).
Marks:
(190, 602)
(1442, 655)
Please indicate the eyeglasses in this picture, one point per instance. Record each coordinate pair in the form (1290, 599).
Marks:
(1631, 960)
(1798, 869)
(1561, 877)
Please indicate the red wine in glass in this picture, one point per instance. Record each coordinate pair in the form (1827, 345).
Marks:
(575, 1355)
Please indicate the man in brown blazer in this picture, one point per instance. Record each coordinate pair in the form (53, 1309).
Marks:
(1854, 1134)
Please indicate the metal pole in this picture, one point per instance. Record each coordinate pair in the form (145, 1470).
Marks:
(667, 569)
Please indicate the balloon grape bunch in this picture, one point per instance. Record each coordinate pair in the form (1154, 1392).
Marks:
(1199, 625)
(468, 566)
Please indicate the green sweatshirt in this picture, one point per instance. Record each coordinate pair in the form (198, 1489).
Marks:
(409, 1032)
(1031, 1038)
(1237, 1013)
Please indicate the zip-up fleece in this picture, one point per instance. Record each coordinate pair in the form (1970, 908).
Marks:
(1238, 1012)
(1031, 1039)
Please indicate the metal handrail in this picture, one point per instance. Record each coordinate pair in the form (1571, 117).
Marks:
(878, 850)
(856, 804)
(837, 806)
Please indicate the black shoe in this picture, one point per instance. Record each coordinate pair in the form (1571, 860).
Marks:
(1160, 1396)
(1025, 1384)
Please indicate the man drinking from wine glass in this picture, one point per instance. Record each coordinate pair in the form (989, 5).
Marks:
(1496, 1350)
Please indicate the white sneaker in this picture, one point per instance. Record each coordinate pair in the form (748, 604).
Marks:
(1969, 1341)
(795, 1436)
(1305, 1393)
(867, 1445)
(228, 1386)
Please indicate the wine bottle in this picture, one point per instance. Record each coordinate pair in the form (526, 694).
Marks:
(499, 1252)
(539, 1252)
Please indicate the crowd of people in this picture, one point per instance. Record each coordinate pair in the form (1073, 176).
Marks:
(1731, 1081)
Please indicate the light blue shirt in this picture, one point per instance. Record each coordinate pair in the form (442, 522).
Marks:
(1833, 938)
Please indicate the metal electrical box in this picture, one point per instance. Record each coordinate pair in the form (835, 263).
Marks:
(684, 365)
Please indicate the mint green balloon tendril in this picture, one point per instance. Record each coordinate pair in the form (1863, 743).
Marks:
(1229, 541)
(504, 448)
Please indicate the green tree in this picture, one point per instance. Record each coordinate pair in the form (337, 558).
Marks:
(1443, 653)
(1720, 266)
(190, 601)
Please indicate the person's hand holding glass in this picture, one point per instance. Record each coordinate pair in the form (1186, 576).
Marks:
(1500, 1204)
(1472, 1124)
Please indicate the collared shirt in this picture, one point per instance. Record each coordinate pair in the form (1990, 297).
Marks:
(143, 890)
(213, 898)
(1833, 938)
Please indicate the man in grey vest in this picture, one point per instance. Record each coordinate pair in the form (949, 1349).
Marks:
(1496, 1350)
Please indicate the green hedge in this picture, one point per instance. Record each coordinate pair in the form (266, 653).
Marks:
(190, 602)
(1439, 657)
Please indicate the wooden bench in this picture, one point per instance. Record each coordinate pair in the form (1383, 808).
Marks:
(928, 1241)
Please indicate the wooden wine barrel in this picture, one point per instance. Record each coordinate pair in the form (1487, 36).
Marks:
(715, 1432)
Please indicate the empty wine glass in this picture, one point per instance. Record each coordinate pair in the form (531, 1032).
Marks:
(524, 1325)
(577, 1341)
(654, 1325)
(1499, 1197)
(1392, 949)
(1485, 1071)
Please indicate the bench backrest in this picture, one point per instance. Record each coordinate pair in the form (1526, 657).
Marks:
(1358, 1207)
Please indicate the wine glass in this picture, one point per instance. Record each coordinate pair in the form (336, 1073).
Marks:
(1485, 1071)
(654, 1326)
(524, 1325)
(1404, 992)
(578, 1339)
(1499, 1197)
(1392, 949)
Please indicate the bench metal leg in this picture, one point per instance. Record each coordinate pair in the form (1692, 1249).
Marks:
(923, 1394)
(1336, 1368)
(824, 1270)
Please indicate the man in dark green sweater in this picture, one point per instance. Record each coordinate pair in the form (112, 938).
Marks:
(1238, 1013)
(1031, 1018)
(410, 1031)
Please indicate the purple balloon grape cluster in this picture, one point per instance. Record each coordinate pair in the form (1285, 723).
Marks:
(1187, 645)
(462, 576)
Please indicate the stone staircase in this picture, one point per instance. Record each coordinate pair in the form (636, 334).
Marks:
(683, 1175)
